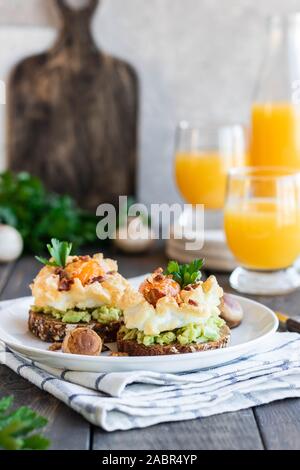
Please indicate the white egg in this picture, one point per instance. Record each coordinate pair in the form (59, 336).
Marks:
(11, 244)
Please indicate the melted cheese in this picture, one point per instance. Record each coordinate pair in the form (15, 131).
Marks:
(168, 315)
(109, 292)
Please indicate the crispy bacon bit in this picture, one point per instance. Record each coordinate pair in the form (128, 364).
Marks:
(64, 284)
(58, 271)
(154, 295)
(194, 286)
(111, 272)
(158, 271)
(96, 279)
(188, 288)
(157, 286)
(193, 302)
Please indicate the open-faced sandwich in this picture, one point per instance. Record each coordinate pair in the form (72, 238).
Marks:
(173, 312)
(72, 291)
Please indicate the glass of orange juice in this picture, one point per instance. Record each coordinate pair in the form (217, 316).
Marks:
(275, 114)
(275, 134)
(204, 153)
(262, 226)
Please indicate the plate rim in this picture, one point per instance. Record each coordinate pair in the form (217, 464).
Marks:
(147, 359)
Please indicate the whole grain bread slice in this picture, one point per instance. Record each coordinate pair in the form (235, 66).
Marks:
(133, 348)
(50, 330)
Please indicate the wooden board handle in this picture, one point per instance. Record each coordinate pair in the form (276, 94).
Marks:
(67, 10)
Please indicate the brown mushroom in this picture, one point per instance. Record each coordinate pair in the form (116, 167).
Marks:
(231, 311)
(82, 341)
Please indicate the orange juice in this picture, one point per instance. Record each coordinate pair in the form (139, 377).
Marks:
(201, 177)
(275, 135)
(263, 234)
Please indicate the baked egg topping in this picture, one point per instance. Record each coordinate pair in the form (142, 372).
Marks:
(194, 304)
(85, 282)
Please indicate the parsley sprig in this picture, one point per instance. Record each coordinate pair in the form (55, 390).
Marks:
(16, 428)
(40, 215)
(59, 252)
(185, 274)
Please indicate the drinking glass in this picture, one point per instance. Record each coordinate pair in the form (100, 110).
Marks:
(275, 116)
(262, 226)
(204, 153)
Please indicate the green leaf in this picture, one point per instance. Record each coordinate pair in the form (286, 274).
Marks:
(35, 442)
(30, 420)
(173, 267)
(186, 278)
(185, 274)
(177, 277)
(7, 216)
(45, 261)
(59, 251)
(5, 403)
(40, 215)
(16, 428)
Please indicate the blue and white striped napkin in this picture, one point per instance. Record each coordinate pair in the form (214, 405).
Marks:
(126, 400)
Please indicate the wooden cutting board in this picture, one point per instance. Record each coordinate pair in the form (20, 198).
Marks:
(73, 114)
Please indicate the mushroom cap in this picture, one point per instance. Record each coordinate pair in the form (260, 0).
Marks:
(82, 341)
(231, 311)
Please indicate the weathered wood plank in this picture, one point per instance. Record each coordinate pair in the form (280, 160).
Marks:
(20, 278)
(66, 429)
(235, 431)
(279, 424)
(5, 271)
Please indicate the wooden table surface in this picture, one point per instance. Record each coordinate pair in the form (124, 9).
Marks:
(273, 426)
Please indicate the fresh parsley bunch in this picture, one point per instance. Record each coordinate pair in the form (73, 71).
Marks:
(39, 215)
(59, 252)
(17, 428)
(185, 274)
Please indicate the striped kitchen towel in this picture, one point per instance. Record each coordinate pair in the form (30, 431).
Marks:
(120, 401)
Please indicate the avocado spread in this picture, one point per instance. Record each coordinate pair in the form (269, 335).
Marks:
(102, 314)
(192, 333)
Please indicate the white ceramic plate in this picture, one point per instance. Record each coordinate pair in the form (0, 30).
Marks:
(258, 325)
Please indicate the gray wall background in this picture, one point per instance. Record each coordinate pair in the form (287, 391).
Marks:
(195, 59)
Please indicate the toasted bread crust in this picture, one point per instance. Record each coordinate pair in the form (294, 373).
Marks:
(50, 330)
(133, 348)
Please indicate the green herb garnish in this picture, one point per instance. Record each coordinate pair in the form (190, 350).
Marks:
(59, 252)
(40, 215)
(185, 274)
(16, 428)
